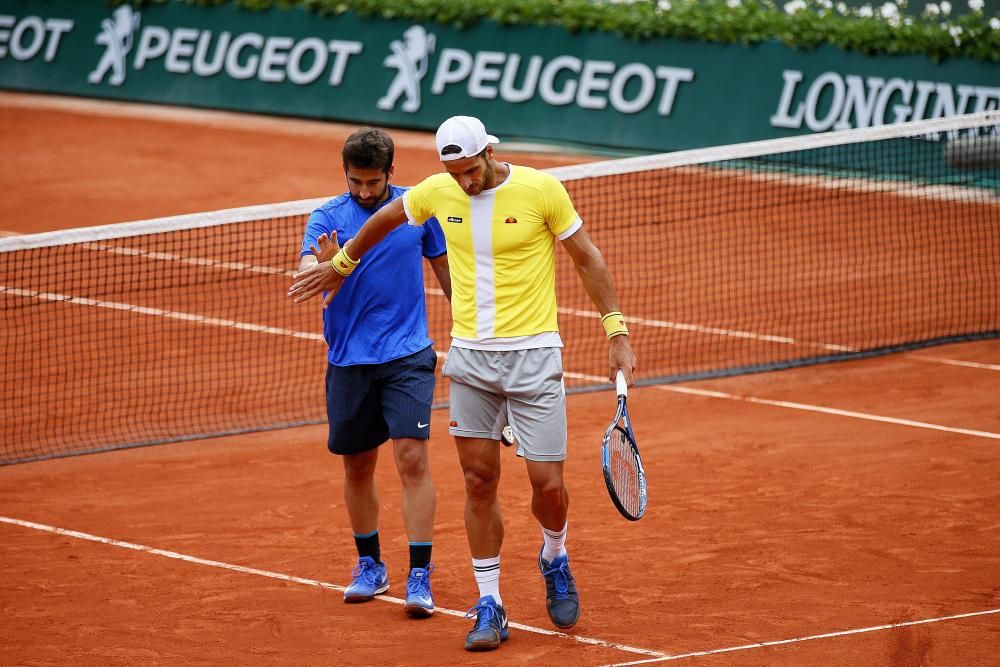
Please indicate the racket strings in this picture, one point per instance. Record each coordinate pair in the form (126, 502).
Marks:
(624, 471)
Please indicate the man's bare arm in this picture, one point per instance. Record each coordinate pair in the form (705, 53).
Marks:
(596, 277)
(440, 267)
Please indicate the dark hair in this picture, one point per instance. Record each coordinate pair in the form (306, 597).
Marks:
(368, 148)
(451, 149)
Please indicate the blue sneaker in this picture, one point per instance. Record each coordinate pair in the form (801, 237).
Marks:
(419, 601)
(561, 598)
(490, 628)
(370, 579)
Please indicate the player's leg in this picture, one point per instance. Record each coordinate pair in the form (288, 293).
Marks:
(370, 577)
(537, 407)
(407, 391)
(549, 501)
(418, 495)
(356, 431)
(480, 461)
(476, 417)
(418, 500)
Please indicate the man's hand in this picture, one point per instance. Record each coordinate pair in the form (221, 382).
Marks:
(315, 280)
(620, 355)
(328, 247)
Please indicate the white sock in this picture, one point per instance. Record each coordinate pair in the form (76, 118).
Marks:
(488, 577)
(555, 543)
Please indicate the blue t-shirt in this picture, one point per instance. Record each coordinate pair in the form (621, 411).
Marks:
(379, 313)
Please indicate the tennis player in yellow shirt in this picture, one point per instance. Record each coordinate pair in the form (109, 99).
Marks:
(500, 223)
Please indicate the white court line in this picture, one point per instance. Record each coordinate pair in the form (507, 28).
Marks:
(307, 582)
(269, 270)
(830, 411)
(955, 362)
(656, 656)
(802, 406)
(231, 324)
(715, 331)
(144, 310)
(193, 261)
(660, 324)
(174, 315)
(825, 635)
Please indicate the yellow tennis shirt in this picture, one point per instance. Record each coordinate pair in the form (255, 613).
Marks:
(501, 252)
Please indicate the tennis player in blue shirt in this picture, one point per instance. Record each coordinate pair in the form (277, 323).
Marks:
(380, 377)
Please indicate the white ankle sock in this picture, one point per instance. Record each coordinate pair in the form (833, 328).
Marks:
(488, 577)
(555, 543)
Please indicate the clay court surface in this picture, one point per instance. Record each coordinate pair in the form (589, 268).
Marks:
(846, 514)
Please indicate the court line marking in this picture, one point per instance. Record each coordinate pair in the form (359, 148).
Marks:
(308, 582)
(159, 312)
(805, 407)
(830, 411)
(182, 259)
(257, 328)
(656, 656)
(954, 362)
(661, 324)
(825, 635)
(715, 331)
(170, 314)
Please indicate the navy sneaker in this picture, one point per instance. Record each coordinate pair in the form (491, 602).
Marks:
(370, 579)
(419, 601)
(490, 628)
(561, 598)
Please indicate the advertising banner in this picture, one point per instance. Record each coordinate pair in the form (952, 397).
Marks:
(528, 83)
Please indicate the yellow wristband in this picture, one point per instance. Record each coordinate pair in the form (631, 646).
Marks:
(614, 324)
(343, 264)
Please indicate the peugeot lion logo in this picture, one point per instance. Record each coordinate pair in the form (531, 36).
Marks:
(116, 38)
(409, 58)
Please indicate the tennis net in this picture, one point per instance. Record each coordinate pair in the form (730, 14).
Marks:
(727, 260)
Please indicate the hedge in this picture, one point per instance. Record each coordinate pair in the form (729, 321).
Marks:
(936, 33)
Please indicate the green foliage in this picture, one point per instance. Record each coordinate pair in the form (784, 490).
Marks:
(803, 24)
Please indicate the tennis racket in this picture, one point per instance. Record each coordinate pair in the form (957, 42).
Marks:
(623, 472)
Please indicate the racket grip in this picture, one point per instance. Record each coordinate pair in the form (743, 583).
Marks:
(620, 384)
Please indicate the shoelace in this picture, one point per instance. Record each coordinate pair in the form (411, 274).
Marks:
(420, 584)
(484, 614)
(560, 576)
(366, 573)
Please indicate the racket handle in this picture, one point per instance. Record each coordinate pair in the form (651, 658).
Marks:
(620, 384)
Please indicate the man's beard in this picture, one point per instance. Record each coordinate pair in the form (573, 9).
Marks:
(489, 175)
(375, 201)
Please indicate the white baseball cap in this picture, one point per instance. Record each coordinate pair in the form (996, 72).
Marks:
(466, 132)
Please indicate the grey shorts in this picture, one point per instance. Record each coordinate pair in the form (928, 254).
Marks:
(523, 388)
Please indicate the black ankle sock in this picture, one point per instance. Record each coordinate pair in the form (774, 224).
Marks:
(420, 554)
(368, 546)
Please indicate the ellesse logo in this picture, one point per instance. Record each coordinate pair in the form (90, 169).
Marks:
(454, 218)
(511, 220)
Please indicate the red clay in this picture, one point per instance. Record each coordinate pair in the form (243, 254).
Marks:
(766, 523)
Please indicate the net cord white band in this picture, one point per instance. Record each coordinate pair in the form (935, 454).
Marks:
(161, 225)
(576, 172)
(776, 146)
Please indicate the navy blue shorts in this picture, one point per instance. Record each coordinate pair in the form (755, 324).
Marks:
(370, 403)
